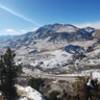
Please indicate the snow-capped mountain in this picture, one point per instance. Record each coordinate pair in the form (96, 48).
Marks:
(51, 33)
(63, 32)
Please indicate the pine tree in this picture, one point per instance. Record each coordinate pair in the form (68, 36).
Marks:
(9, 72)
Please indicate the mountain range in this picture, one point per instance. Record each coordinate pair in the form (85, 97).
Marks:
(51, 48)
(50, 33)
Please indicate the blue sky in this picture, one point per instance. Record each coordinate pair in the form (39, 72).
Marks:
(20, 16)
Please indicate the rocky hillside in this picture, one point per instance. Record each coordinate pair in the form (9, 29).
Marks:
(65, 87)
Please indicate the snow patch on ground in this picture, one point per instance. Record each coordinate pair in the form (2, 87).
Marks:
(28, 93)
(55, 59)
(60, 57)
(96, 75)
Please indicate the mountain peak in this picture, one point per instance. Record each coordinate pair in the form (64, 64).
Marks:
(62, 32)
(60, 27)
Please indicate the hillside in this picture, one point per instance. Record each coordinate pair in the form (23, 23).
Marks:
(54, 48)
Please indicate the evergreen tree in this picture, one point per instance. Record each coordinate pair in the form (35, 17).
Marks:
(9, 72)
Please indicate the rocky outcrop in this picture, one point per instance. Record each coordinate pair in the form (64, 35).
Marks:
(74, 49)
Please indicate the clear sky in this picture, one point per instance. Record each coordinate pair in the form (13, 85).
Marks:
(19, 16)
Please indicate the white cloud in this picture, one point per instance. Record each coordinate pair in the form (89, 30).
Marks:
(17, 14)
(11, 31)
(90, 24)
(28, 30)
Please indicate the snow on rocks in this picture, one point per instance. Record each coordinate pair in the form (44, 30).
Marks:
(59, 58)
(93, 73)
(96, 75)
(52, 59)
(28, 93)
